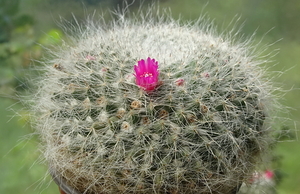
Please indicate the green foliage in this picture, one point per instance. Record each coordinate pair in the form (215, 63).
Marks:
(15, 38)
(10, 19)
(20, 170)
(53, 37)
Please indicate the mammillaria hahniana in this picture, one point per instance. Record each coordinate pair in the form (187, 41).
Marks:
(151, 105)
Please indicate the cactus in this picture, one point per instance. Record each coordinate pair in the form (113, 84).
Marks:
(200, 126)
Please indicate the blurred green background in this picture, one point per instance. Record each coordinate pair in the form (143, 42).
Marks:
(27, 24)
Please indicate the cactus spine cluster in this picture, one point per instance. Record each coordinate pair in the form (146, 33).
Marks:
(201, 130)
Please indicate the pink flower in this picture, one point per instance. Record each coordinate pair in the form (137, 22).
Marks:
(146, 74)
(268, 174)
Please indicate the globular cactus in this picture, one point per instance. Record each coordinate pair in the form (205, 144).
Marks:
(153, 106)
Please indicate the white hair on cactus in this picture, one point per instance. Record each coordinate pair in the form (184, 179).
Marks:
(203, 127)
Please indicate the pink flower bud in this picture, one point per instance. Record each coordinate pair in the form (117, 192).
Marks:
(206, 75)
(268, 174)
(146, 74)
(179, 82)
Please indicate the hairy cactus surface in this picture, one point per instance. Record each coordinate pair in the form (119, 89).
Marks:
(153, 106)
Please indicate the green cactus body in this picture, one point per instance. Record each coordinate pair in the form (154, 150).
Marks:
(201, 130)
